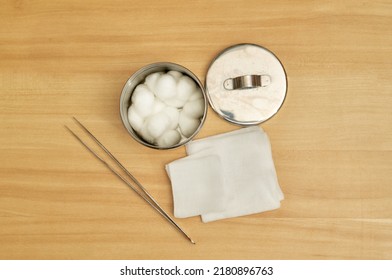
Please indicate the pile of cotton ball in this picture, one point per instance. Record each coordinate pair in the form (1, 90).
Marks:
(166, 109)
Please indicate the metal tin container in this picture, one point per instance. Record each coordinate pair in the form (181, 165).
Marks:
(138, 78)
(246, 84)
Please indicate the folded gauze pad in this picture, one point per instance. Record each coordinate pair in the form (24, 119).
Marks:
(242, 160)
(249, 176)
(197, 185)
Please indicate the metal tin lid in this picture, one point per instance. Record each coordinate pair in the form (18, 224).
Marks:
(246, 84)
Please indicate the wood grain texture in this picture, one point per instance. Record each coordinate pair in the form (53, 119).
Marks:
(331, 141)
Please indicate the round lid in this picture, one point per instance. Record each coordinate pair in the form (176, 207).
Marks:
(246, 84)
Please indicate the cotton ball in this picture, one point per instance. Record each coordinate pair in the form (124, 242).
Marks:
(138, 92)
(176, 75)
(143, 100)
(185, 87)
(165, 87)
(146, 135)
(134, 119)
(183, 138)
(175, 102)
(173, 114)
(158, 106)
(194, 109)
(157, 124)
(187, 124)
(197, 94)
(169, 138)
(151, 80)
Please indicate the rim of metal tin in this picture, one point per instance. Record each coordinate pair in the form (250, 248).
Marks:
(137, 78)
(217, 110)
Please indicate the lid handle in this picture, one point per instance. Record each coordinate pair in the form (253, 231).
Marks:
(247, 82)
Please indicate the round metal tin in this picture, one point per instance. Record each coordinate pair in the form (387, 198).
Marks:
(246, 84)
(138, 78)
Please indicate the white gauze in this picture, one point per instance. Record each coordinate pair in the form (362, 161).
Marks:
(248, 172)
(197, 185)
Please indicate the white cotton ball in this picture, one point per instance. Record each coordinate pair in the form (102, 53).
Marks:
(143, 100)
(158, 106)
(194, 109)
(197, 94)
(176, 75)
(185, 87)
(134, 119)
(151, 80)
(146, 135)
(175, 102)
(139, 91)
(183, 138)
(157, 124)
(174, 116)
(188, 125)
(169, 138)
(165, 87)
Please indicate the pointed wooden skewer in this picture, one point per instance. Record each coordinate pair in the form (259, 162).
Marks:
(144, 194)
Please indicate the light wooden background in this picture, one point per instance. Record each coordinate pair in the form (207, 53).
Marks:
(332, 139)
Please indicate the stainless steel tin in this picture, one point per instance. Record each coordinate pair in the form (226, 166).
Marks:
(246, 84)
(138, 78)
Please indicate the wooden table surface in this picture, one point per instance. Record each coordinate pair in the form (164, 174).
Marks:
(331, 141)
